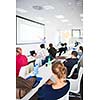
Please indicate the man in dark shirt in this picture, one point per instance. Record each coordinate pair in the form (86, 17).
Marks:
(63, 48)
(52, 51)
(70, 62)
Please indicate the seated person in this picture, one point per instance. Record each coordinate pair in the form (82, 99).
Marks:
(33, 53)
(57, 89)
(70, 62)
(52, 51)
(76, 44)
(43, 54)
(21, 60)
(80, 51)
(63, 48)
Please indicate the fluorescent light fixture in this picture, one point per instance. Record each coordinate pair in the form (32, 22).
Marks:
(48, 7)
(82, 20)
(39, 18)
(59, 16)
(64, 20)
(69, 3)
(69, 24)
(21, 10)
(81, 15)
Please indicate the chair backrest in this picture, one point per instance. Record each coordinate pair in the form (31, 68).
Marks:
(75, 83)
(81, 58)
(25, 70)
(72, 70)
(65, 97)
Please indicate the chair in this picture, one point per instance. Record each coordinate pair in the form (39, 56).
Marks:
(65, 97)
(81, 58)
(75, 83)
(72, 70)
(25, 70)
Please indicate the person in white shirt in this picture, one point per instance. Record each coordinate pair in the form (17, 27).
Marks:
(42, 54)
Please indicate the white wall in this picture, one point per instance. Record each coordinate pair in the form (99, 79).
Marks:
(52, 34)
(27, 48)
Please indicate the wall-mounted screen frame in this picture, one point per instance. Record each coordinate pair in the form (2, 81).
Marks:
(29, 31)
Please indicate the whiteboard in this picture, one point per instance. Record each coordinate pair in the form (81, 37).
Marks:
(29, 31)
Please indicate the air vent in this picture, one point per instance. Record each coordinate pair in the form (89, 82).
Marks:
(37, 7)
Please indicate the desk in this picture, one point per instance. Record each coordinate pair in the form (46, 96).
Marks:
(45, 73)
(30, 58)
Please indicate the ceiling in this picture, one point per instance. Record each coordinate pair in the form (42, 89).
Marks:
(46, 11)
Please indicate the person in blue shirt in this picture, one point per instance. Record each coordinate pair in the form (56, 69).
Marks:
(56, 89)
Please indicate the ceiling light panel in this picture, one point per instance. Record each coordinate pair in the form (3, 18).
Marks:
(21, 10)
(59, 16)
(81, 15)
(48, 7)
(69, 24)
(64, 20)
(82, 20)
(69, 3)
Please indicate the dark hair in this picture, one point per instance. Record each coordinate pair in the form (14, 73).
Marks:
(65, 44)
(81, 48)
(50, 45)
(62, 44)
(74, 53)
(42, 45)
(59, 69)
(32, 52)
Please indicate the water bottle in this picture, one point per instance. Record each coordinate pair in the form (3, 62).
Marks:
(35, 72)
(49, 62)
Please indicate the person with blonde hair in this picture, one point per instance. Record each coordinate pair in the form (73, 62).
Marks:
(56, 89)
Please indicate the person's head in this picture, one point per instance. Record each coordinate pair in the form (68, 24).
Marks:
(50, 45)
(65, 43)
(74, 53)
(42, 46)
(62, 44)
(59, 70)
(81, 48)
(18, 51)
(33, 53)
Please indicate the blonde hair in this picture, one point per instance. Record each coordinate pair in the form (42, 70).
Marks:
(59, 69)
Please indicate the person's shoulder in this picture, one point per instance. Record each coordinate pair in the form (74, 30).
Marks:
(46, 87)
(67, 86)
(77, 59)
(24, 55)
(68, 82)
(69, 59)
